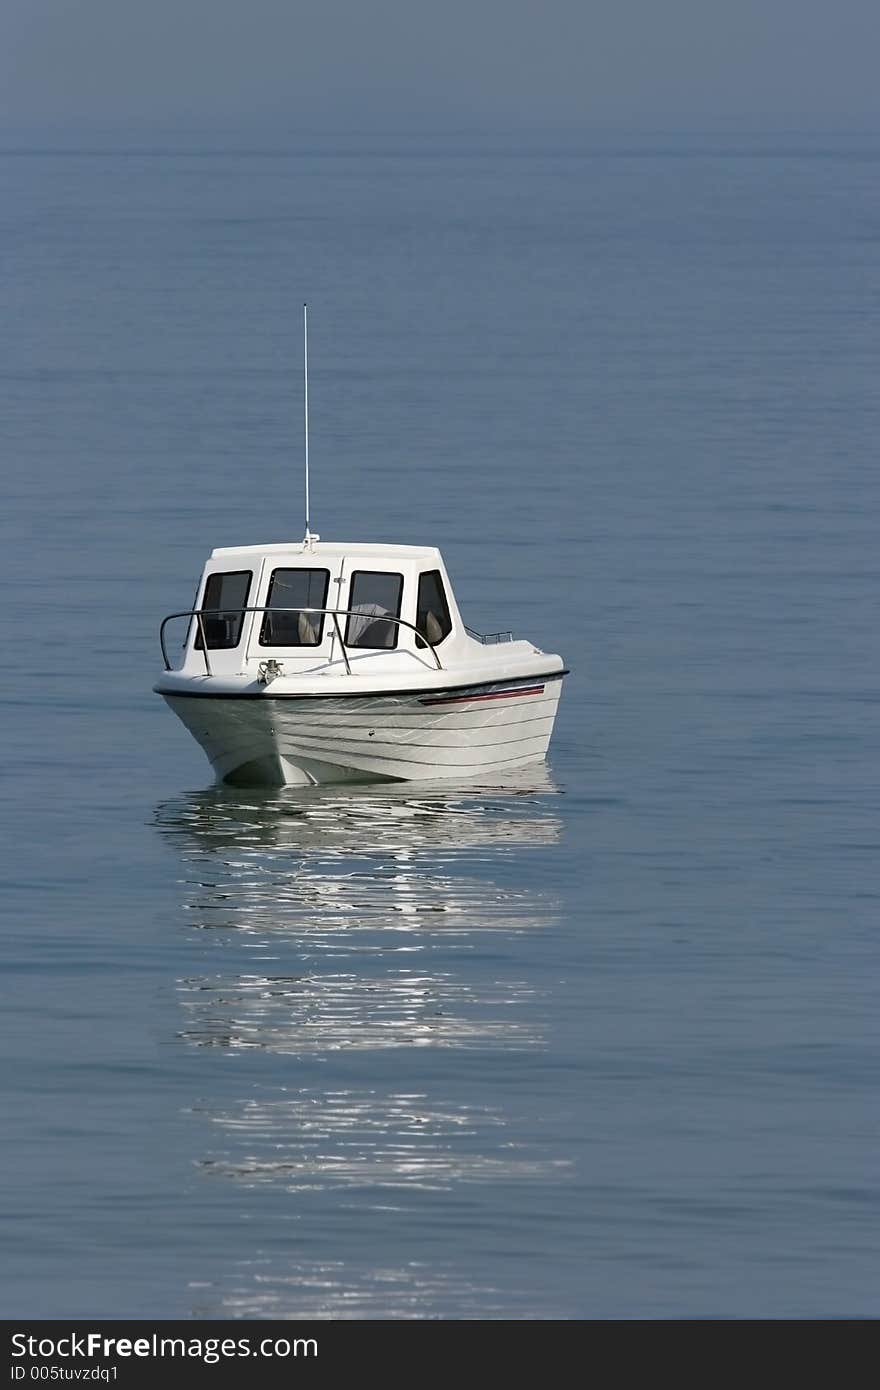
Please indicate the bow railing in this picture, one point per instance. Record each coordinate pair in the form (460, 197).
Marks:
(200, 614)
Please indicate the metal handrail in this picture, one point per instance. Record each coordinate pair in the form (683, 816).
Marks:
(335, 613)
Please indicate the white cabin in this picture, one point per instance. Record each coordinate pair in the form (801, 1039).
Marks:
(329, 609)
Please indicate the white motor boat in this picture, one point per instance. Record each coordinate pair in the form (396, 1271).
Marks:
(312, 663)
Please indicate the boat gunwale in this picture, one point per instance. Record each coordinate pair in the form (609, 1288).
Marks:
(433, 690)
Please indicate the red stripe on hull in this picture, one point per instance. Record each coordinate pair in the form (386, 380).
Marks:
(493, 695)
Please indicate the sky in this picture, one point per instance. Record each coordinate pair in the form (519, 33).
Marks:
(450, 65)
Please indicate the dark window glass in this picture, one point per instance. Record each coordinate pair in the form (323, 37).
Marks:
(296, 589)
(224, 592)
(432, 610)
(373, 597)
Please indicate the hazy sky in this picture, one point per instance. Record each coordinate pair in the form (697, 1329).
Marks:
(453, 64)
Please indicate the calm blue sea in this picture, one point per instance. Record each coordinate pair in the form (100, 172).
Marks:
(600, 1041)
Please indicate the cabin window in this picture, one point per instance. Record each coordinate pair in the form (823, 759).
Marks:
(225, 597)
(432, 610)
(373, 597)
(297, 589)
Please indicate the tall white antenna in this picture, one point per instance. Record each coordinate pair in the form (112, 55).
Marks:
(306, 408)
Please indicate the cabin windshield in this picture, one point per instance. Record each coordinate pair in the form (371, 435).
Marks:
(228, 592)
(374, 596)
(432, 609)
(295, 589)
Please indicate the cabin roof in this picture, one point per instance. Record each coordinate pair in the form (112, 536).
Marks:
(296, 549)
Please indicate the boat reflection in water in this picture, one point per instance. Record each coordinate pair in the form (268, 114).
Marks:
(352, 920)
(364, 889)
(345, 1290)
(321, 862)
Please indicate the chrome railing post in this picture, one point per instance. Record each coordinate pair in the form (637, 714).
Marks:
(208, 670)
(341, 643)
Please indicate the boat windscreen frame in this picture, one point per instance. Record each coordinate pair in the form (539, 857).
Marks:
(216, 614)
(388, 616)
(444, 617)
(265, 625)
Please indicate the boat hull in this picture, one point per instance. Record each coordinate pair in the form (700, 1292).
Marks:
(311, 740)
